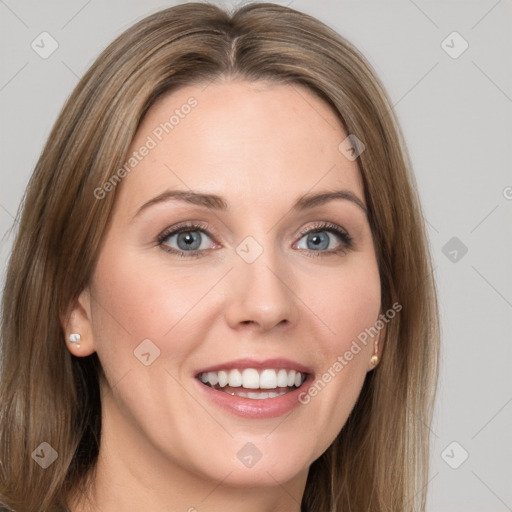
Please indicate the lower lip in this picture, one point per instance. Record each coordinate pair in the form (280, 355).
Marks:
(254, 408)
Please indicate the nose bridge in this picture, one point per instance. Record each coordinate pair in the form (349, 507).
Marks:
(260, 292)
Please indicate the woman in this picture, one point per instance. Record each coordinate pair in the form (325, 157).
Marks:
(220, 291)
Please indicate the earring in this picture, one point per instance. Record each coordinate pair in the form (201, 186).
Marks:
(75, 338)
(373, 361)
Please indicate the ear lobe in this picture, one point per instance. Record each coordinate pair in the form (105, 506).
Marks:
(78, 320)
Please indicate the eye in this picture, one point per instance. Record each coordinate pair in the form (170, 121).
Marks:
(185, 239)
(193, 240)
(325, 238)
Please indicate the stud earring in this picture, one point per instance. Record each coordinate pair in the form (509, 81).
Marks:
(373, 361)
(75, 338)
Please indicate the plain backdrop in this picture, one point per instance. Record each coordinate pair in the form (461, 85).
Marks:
(447, 67)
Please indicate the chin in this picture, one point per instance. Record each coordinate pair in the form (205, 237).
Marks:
(260, 461)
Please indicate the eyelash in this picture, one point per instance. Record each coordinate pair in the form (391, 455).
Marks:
(317, 228)
(182, 229)
(346, 239)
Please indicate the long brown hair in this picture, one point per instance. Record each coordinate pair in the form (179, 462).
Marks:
(379, 461)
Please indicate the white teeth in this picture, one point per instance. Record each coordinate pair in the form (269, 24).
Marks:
(250, 378)
(273, 394)
(235, 379)
(223, 378)
(282, 378)
(268, 379)
(257, 396)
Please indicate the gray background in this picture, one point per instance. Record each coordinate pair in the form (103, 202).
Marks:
(455, 113)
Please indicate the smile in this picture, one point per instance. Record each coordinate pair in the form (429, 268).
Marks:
(255, 388)
(275, 382)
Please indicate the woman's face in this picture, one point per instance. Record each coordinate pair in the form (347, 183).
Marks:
(265, 273)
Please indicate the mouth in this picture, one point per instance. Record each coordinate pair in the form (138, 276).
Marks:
(254, 383)
(255, 389)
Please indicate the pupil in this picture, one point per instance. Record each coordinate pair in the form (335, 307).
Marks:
(319, 240)
(190, 240)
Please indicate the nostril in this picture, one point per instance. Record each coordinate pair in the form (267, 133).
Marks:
(248, 322)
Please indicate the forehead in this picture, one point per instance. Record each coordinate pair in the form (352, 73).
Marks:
(256, 142)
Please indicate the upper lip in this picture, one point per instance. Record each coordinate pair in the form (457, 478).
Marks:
(277, 363)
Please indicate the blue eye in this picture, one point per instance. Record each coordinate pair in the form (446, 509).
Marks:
(319, 241)
(325, 238)
(185, 239)
(192, 240)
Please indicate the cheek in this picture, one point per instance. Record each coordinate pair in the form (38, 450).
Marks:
(348, 302)
(348, 307)
(134, 300)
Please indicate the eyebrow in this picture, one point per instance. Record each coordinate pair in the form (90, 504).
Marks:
(215, 202)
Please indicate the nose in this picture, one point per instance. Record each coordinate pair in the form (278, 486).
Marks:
(260, 295)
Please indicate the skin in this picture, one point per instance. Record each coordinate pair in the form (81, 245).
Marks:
(164, 446)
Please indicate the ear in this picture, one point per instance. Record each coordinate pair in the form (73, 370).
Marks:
(77, 320)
